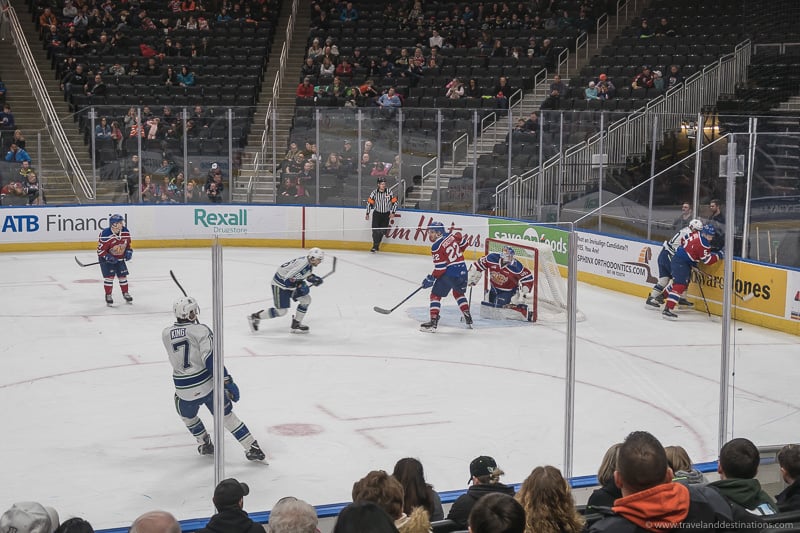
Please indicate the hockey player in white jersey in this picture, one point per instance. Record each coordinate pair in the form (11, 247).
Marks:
(290, 282)
(657, 294)
(189, 346)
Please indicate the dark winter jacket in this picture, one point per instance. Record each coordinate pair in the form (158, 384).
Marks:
(747, 493)
(690, 477)
(666, 505)
(231, 521)
(461, 508)
(605, 495)
(789, 498)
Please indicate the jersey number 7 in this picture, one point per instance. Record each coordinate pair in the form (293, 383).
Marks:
(182, 345)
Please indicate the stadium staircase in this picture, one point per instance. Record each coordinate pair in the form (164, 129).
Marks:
(457, 196)
(256, 182)
(28, 117)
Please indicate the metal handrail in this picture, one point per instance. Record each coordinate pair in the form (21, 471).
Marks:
(602, 22)
(57, 134)
(582, 41)
(620, 5)
(563, 59)
(463, 139)
(433, 163)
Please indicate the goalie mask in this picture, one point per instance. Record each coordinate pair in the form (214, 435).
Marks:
(186, 308)
(507, 254)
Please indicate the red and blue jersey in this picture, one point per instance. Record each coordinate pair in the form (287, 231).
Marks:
(696, 249)
(114, 244)
(505, 276)
(448, 255)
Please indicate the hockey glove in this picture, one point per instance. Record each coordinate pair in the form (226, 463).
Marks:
(110, 259)
(720, 255)
(128, 254)
(428, 281)
(314, 280)
(231, 389)
(474, 276)
(300, 291)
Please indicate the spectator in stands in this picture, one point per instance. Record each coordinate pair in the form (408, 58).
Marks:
(389, 100)
(75, 525)
(384, 490)
(416, 491)
(608, 491)
(309, 70)
(153, 128)
(287, 189)
(546, 497)
(715, 215)
(658, 80)
(333, 164)
(348, 155)
(315, 50)
(789, 460)
(96, 88)
(455, 89)
(344, 69)
(231, 517)
(133, 67)
(74, 78)
(193, 195)
(368, 91)
(24, 170)
(13, 194)
(472, 89)
(305, 90)
(435, 40)
(643, 79)
(531, 125)
(502, 92)
(737, 468)
(152, 69)
(497, 513)
(326, 70)
(358, 59)
(19, 138)
(674, 77)
(7, 122)
(349, 13)
(186, 77)
(155, 522)
(649, 496)
(548, 52)
(29, 517)
(664, 29)
(590, 92)
(485, 479)
(645, 31)
(170, 77)
(681, 465)
(498, 50)
(32, 188)
(359, 517)
(605, 88)
(47, 19)
(557, 91)
(290, 515)
(116, 70)
(17, 154)
(686, 215)
(292, 152)
(103, 130)
(69, 11)
(147, 194)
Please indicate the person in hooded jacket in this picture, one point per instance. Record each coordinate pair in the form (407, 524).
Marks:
(231, 517)
(789, 460)
(737, 468)
(608, 491)
(485, 479)
(681, 465)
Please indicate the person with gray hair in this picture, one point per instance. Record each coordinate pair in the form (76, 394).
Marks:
(291, 515)
(155, 522)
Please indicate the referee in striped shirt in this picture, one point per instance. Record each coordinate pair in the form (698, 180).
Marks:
(384, 205)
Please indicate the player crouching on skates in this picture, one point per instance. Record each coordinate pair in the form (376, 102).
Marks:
(697, 248)
(288, 283)
(190, 349)
(113, 249)
(661, 288)
(449, 273)
(510, 285)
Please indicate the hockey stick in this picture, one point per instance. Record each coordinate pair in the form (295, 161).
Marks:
(172, 274)
(333, 268)
(705, 302)
(383, 311)
(85, 264)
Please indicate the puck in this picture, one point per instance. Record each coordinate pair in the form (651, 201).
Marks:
(739, 329)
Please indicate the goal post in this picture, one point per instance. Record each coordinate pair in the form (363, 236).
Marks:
(548, 302)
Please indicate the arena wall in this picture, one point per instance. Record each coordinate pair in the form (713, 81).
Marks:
(621, 264)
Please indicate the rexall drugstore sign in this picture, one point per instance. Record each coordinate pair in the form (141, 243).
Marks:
(509, 230)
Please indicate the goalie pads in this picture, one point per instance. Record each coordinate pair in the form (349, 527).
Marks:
(509, 312)
(474, 276)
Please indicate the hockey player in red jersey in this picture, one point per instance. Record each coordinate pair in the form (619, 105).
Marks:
(510, 282)
(449, 273)
(661, 288)
(697, 248)
(113, 249)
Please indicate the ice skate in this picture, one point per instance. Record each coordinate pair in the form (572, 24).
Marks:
(468, 319)
(667, 314)
(128, 297)
(683, 302)
(374, 249)
(430, 326)
(207, 448)
(109, 300)
(659, 299)
(297, 327)
(652, 303)
(255, 453)
(254, 321)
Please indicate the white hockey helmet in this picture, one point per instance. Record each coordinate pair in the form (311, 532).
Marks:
(185, 308)
(315, 254)
(695, 224)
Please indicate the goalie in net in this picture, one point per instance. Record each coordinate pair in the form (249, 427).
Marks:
(510, 285)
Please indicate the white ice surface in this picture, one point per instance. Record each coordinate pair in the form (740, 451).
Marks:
(88, 424)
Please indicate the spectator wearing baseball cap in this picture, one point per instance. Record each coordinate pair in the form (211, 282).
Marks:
(485, 479)
(231, 517)
(29, 517)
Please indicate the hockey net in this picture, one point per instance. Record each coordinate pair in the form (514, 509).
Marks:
(548, 301)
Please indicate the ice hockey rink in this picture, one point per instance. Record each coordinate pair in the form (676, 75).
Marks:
(89, 425)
